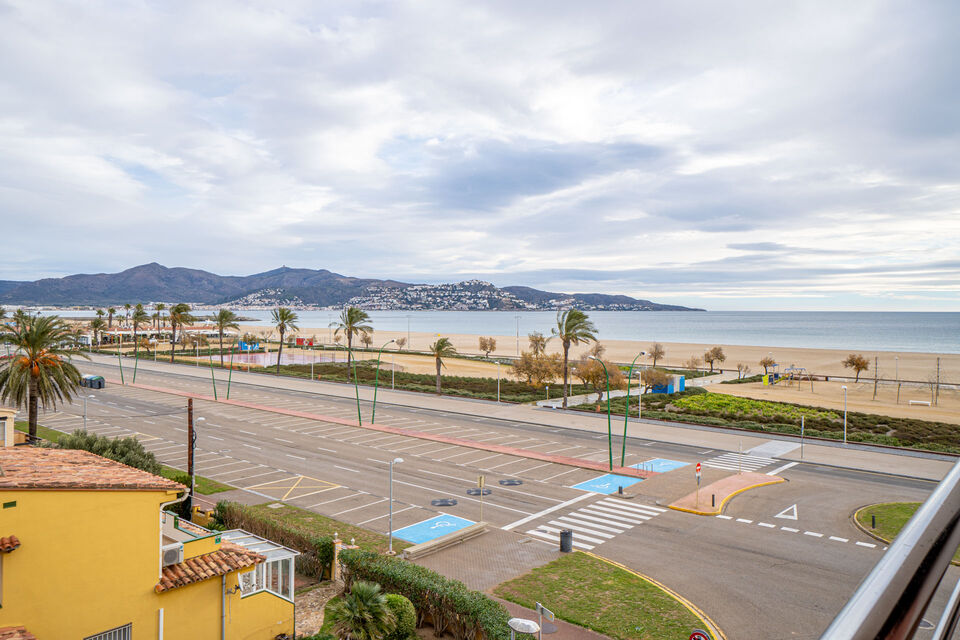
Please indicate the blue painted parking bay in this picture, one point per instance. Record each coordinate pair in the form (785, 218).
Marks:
(432, 528)
(607, 484)
(660, 465)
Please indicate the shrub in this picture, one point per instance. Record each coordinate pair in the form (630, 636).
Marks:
(451, 606)
(128, 451)
(405, 615)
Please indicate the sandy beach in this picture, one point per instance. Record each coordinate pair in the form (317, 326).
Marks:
(909, 366)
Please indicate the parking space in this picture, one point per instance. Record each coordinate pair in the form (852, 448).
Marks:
(432, 528)
(606, 484)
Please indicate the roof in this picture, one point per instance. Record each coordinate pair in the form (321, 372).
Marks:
(8, 544)
(42, 468)
(229, 557)
(16, 633)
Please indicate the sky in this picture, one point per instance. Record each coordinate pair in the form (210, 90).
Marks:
(726, 155)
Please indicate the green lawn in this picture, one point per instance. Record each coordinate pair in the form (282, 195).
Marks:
(891, 517)
(591, 593)
(44, 432)
(316, 524)
(205, 486)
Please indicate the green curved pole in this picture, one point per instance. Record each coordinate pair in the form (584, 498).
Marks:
(121, 366)
(213, 378)
(376, 383)
(136, 360)
(356, 385)
(626, 412)
(609, 424)
(230, 375)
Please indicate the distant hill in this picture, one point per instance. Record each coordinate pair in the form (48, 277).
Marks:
(295, 287)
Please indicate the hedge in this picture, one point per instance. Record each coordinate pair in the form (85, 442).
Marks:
(451, 606)
(316, 551)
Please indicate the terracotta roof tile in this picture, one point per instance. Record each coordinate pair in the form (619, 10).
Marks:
(8, 544)
(230, 557)
(41, 468)
(16, 633)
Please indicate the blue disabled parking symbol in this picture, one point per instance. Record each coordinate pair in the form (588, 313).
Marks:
(433, 528)
(607, 484)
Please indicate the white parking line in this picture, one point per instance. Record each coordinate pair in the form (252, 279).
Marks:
(290, 455)
(352, 495)
(385, 515)
(363, 506)
(336, 466)
(563, 473)
(252, 446)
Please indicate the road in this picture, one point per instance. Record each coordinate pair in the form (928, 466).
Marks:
(780, 561)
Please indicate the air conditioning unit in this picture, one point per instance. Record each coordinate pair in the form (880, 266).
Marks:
(172, 554)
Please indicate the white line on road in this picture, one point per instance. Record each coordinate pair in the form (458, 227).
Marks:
(563, 473)
(251, 446)
(363, 506)
(549, 510)
(290, 455)
(723, 517)
(322, 449)
(766, 524)
(214, 438)
(867, 544)
(744, 520)
(790, 529)
(813, 533)
(839, 539)
(385, 515)
(783, 468)
(336, 466)
(282, 440)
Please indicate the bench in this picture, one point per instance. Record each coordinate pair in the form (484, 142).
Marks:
(456, 537)
(925, 403)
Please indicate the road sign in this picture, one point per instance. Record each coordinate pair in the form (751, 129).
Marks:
(698, 474)
(546, 613)
(699, 635)
(480, 481)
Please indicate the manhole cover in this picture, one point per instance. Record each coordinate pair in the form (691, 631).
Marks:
(444, 502)
(476, 492)
(510, 482)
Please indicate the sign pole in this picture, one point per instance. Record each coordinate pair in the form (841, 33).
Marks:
(480, 483)
(698, 485)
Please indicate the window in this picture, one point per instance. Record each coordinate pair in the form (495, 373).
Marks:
(252, 581)
(120, 633)
(275, 576)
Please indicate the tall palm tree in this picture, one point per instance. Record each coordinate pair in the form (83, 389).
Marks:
(351, 323)
(21, 317)
(97, 325)
(40, 370)
(362, 614)
(441, 349)
(179, 315)
(160, 307)
(138, 318)
(126, 308)
(283, 320)
(110, 312)
(573, 327)
(225, 319)
(3, 313)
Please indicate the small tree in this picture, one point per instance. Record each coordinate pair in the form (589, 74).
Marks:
(127, 450)
(362, 614)
(650, 378)
(538, 343)
(856, 362)
(441, 349)
(488, 345)
(366, 339)
(591, 372)
(766, 362)
(714, 355)
(656, 352)
(537, 370)
(405, 615)
(742, 370)
(693, 363)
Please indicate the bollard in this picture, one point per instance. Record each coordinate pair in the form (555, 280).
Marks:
(713, 499)
(873, 521)
(566, 540)
(620, 490)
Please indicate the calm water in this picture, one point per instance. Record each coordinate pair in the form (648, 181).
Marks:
(868, 331)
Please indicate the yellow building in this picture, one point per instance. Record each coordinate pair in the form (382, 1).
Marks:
(87, 553)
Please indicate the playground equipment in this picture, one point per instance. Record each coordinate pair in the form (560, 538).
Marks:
(788, 376)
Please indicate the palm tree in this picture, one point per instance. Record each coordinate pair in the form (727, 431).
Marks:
(440, 349)
(351, 323)
(138, 318)
(110, 312)
(573, 327)
(225, 319)
(21, 317)
(283, 320)
(179, 315)
(160, 307)
(126, 308)
(40, 370)
(362, 614)
(3, 313)
(97, 325)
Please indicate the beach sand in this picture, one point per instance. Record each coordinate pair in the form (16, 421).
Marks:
(910, 367)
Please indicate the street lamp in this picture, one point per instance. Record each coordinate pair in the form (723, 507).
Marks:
(85, 410)
(356, 385)
(193, 469)
(609, 426)
(844, 387)
(626, 411)
(392, 462)
(376, 382)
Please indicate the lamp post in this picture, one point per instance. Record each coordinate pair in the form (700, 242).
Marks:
(376, 382)
(85, 410)
(626, 411)
(392, 462)
(844, 387)
(356, 385)
(193, 467)
(609, 426)
(498, 381)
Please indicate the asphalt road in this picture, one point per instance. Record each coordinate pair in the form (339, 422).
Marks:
(779, 563)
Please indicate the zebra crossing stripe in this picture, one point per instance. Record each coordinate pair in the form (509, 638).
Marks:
(575, 534)
(616, 513)
(584, 516)
(555, 540)
(586, 523)
(577, 528)
(630, 508)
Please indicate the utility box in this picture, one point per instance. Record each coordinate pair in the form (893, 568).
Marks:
(93, 382)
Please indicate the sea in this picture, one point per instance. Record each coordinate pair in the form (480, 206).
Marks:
(932, 332)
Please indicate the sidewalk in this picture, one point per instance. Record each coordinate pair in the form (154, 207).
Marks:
(907, 463)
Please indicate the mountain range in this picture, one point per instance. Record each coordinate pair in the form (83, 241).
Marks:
(296, 287)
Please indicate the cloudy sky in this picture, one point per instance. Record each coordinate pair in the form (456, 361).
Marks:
(731, 155)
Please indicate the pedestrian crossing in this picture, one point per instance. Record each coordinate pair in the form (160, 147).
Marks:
(597, 522)
(739, 462)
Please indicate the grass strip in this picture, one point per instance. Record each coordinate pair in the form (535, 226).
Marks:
(891, 518)
(205, 486)
(43, 432)
(590, 593)
(311, 523)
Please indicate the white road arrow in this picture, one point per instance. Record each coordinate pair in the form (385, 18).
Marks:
(790, 513)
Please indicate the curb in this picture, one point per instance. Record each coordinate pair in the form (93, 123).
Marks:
(723, 503)
(712, 627)
(876, 536)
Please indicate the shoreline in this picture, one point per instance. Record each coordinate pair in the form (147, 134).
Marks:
(903, 365)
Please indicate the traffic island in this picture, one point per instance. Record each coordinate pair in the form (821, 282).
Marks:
(712, 498)
(883, 521)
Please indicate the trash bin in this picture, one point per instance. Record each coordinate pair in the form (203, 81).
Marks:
(566, 540)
